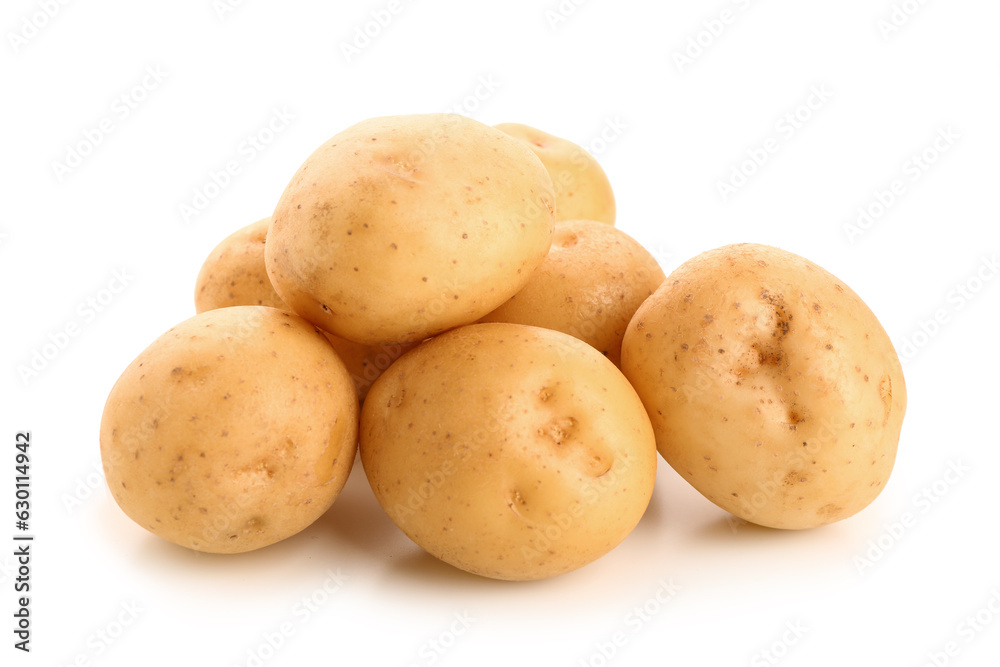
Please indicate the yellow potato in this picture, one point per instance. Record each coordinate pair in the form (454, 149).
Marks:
(234, 273)
(234, 430)
(772, 387)
(366, 362)
(509, 451)
(583, 191)
(589, 286)
(402, 227)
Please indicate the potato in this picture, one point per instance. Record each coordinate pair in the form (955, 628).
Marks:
(772, 387)
(234, 430)
(509, 451)
(583, 191)
(589, 286)
(402, 227)
(235, 275)
(366, 362)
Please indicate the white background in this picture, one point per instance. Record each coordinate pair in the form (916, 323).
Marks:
(859, 592)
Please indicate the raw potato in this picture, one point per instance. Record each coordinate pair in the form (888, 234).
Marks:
(509, 451)
(583, 191)
(589, 286)
(772, 387)
(403, 227)
(366, 362)
(234, 430)
(235, 275)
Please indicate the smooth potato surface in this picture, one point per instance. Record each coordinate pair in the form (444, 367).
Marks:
(365, 363)
(589, 286)
(583, 191)
(402, 227)
(234, 273)
(772, 387)
(509, 451)
(234, 430)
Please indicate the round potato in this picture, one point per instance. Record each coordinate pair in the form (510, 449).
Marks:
(589, 286)
(509, 451)
(582, 189)
(772, 387)
(402, 227)
(234, 273)
(234, 430)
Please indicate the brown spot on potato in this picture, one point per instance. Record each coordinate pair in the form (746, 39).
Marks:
(829, 512)
(885, 393)
(767, 356)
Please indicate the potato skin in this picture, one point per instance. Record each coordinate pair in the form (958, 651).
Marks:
(234, 430)
(402, 227)
(365, 363)
(589, 286)
(509, 451)
(583, 191)
(772, 387)
(234, 275)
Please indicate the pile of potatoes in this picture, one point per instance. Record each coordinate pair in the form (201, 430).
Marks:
(455, 301)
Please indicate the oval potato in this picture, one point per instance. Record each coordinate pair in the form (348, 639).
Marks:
(772, 387)
(402, 227)
(234, 430)
(509, 451)
(233, 274)
(589, 286)
(583, 191)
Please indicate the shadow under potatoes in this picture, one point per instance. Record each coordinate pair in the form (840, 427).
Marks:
(356, 519)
